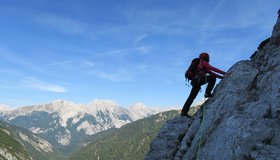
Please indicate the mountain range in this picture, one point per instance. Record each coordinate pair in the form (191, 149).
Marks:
(18, 143)
(64, 124)
(128, 142)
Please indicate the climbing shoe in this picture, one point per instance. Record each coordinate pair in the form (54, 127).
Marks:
(206, 95)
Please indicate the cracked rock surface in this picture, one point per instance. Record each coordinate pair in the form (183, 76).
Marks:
(242, 120)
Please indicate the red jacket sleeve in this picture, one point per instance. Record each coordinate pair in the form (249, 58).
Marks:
(216, 75)
(210, 69)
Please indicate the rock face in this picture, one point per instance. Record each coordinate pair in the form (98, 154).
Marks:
(242, 120)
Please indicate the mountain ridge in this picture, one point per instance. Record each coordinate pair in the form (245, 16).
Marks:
(131, 141)
(64, 123)
(240, 122)
(30, 144)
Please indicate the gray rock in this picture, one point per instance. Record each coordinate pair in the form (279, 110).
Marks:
(242, 120)
(275, 38)
(166, 143)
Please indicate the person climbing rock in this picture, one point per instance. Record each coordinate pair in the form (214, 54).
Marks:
(204, 73)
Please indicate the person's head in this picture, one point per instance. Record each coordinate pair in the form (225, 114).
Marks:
(204, 56)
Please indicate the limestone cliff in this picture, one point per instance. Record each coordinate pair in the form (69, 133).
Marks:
(242, 120)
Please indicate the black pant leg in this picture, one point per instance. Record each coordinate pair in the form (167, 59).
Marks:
(189, 101)
(211, 83)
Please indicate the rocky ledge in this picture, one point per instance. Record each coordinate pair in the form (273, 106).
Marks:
(242, 120)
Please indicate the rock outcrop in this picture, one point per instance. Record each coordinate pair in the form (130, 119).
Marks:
(242, 120)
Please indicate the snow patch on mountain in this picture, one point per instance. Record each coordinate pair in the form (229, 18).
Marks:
(69, 110)
(39, 143)
(64, 138)
(6, 154)
(63, 123)
(65, 116)
(77, 118)
(88, 128)
(115, 113)
(36, 130)
(140, 110)
(44, 145)
(4, 108)
(106, 104)
(6, 131)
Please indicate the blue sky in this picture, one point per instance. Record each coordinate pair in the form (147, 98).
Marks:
(128, 50)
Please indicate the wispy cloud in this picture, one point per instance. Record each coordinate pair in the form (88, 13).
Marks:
(78, 50)
(222, 18)
(43, 86)
(58, 63)
(117, 76)
(112, 70)
(140, 38)
(116, 65)
(62, 23)
(9, 72)
(120, 53)
(18, 60)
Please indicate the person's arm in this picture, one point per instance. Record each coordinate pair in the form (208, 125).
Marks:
(214, 74)
(211, 68)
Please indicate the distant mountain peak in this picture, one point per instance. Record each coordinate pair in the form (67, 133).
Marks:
(105, 104)
(63, 122)
(4, 108)
(141, 110)
(61, 102)
(139, 105)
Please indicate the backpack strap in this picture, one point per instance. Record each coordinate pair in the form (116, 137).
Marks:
(200, 68)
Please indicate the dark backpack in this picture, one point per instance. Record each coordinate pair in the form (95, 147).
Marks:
(191, 71)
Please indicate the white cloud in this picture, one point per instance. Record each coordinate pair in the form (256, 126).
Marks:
(140, 38)
(117, 76)
(43, 86)
(10, 72)
(18, 60)
(58, 63)
(62, 23)
(121, 53)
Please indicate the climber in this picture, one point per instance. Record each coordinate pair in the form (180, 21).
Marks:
(205, 73)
